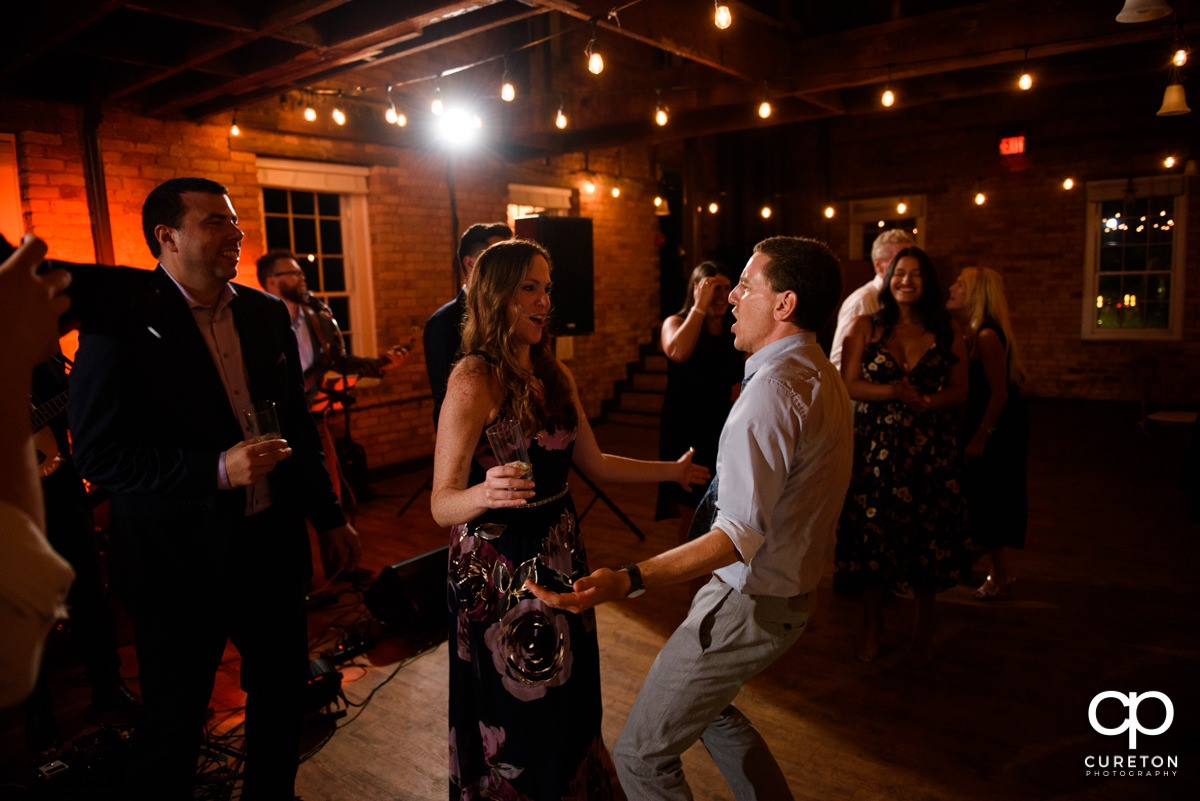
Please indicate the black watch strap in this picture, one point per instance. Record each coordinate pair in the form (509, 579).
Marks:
(636, 587)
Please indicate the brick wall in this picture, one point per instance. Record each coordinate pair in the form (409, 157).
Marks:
(412, 245)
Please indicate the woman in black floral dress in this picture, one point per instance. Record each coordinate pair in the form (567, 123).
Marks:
(903, 524)
(524, 678)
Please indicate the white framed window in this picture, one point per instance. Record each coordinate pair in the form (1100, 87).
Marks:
(525, 200)
(870, 217)
(1134, 259)
(319, 212)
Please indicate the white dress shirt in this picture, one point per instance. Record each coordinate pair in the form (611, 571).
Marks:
(864, 300)
(783, 467)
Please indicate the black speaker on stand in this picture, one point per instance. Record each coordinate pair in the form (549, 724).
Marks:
(569, 242)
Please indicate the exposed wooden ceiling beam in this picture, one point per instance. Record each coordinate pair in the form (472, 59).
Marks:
(45, 26)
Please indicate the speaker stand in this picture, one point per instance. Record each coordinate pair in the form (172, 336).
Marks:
(601, 496)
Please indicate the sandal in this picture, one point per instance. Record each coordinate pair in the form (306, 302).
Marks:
(991, 591)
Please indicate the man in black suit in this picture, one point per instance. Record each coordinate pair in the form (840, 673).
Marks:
(207, 524)
(443, 329)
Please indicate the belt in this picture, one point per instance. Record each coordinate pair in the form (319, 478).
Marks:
(545, 501)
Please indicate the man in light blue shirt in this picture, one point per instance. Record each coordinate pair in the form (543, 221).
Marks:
(783, 467)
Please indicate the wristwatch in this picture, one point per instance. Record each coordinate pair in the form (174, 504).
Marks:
(636, 587)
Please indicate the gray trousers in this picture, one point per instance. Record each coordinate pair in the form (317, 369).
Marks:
(688, 695)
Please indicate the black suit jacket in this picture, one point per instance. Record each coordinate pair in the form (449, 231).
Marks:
(150, 418)
(442, 339)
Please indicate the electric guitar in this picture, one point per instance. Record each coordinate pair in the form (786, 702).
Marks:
(48, 456)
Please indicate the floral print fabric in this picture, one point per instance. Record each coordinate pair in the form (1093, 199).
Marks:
(524, 678)
(903, 523)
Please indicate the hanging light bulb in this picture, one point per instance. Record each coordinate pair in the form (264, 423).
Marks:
(339, 116)
(437, 107)
(390, 115)
(1068, 183)
(589, 186)
(508, 92)
(980, 198)
(766, 212)
(595, 63)
(560, 121)
(616, 191)
(901, 207)
(1180, 58)
(888, 99)
(1025, 81)
(713, 208)
(764, 109)
(660, 112)
(829, 212)
(1169, 162)
(310, 113)
(658, 201)
(234, 130)
(723, 17)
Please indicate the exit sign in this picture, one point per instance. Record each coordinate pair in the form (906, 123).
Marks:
(1012, 145)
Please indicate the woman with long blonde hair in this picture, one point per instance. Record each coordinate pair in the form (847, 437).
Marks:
(524, 678)
(996, 425)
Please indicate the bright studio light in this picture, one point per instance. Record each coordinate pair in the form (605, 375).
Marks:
(459, 127)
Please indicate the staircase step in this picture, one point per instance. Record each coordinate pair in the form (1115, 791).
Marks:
(634, 418)
(649, 382)
(654, 363)
(634, 401)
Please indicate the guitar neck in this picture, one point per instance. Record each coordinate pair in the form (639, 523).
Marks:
(47, 411)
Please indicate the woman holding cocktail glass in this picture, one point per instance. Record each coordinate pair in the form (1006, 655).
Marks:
(524, 678)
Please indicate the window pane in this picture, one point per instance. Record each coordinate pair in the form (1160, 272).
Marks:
(1158, 315)
(335, 275)
(340, 305)
(275, 200)
(1135, 258)
(302, 203)
(310, 270)
(1160, 257)
(331, 236)
(329, 205)
(278, 236)
(1158, 288)
(1107, 316)
(305, 232)
(1110, 258)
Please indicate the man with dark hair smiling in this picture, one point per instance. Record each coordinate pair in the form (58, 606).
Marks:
(207, 521)
(783, 467)
(443, 330)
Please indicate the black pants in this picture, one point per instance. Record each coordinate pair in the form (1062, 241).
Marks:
(182, 622)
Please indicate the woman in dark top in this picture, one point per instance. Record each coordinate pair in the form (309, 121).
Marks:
(903, 524)
(995, 425)
(524, 678)
(703, 373)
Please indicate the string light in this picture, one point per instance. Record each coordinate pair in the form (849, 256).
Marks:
(658, 201)
(595, 63)
(339, 116)
(980, 198)
(1180, 58)
(713, 208)
(589, 186)
(1068, 183)
(560, 121)
(660, 112)
(888, 99)
(1169, 162)
(901, 207)
(1025, 81)
(437, 107)
(310, 113)
(508, 92)
(390, 115)
(764, 109)
(829, 212)
(234, 130)
(766, 212)
(616, 191)
(723, 17)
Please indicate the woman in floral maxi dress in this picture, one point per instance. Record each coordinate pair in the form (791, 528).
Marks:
(525, 705)
(903, 524)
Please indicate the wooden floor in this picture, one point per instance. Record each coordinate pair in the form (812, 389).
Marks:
(1106, 600)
